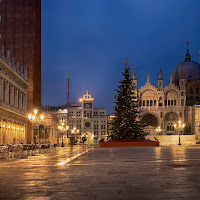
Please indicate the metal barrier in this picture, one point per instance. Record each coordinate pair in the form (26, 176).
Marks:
(22, 150)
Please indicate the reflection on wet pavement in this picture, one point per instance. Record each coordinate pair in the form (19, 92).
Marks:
(82, 172)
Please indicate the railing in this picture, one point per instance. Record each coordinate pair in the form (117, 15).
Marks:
(22, 151)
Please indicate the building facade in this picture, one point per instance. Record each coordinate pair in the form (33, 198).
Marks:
(20, 35)
(13, 102)
(178, 101)
(88, 123)
(48, 131)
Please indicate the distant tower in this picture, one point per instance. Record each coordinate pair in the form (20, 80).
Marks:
(160, 81)
(134, 80)
(20, 25)
(87, 114)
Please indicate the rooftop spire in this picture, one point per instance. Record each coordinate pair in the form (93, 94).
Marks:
(148, 78)
(134, 76)
(187, 56)
(160, 75)
(126, 62)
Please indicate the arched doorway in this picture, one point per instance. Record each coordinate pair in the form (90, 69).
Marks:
(169, 120)
(150, 122)
(88, 137)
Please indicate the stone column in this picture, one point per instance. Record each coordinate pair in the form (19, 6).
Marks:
(7, 92)
(1, 88)
(12, 95)
(1, 132)
(16, 97)
(25, 103)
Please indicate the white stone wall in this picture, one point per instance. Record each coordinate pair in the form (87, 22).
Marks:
(173, 139)
(13, 105)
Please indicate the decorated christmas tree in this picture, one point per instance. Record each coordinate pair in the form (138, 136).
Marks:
(126, 125)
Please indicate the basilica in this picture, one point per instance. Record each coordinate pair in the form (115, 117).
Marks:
(178, 101)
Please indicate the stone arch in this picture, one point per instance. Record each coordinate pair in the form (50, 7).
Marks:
(170, 119)
(171, 116)
(149, 97)
(149, 119)
(89, 137)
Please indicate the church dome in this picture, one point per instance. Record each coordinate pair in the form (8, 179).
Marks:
(188, 70)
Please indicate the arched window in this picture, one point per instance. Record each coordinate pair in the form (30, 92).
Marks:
(197, 90)
(191, 97)
(191, 90)
(143, 102)
(160, 101)
(168, 102)
(147, 102)
(170, 127)
(182, 102)
(175, 102)
(154, 102)
(165, 102)
(197, 98)
(151, 103)
(172, 102)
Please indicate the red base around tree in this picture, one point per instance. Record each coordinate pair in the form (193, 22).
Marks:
(118, 143)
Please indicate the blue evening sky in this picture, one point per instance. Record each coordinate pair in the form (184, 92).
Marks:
(89, 40)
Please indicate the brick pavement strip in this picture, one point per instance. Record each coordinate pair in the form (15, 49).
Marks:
(104, 173)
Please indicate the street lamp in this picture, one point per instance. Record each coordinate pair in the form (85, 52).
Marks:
(180, 126)
(158, 130)
(74, 131)
(67, 128)
(35, 119)
(62, 128)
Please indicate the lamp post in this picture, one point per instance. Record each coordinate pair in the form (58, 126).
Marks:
(180, 126)
(74, 131)
(35, 119)
(158, 130)
(62, 128)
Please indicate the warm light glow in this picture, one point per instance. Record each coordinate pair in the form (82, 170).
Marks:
(17, 128)
(42, 117)
(65, 111)
(13, 127)
(29, 116)
(8, 126)
(72, 131)
(74, 128)
(77, 131)
(22, 129)
(80, 100)
(179, 122)
(183, 125)
(33, 117)
(158, 129)
(62, 124)
(175, 125)
(67, 127)
(3, 125)
(35, 111)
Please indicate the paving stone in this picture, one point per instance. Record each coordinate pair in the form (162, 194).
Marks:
(104, 173)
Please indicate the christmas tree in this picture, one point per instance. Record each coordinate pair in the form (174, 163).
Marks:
(126, 125)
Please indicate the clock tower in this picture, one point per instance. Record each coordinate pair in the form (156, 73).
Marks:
(87, 116)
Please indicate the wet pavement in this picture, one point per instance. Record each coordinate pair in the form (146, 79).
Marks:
(124, 173)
